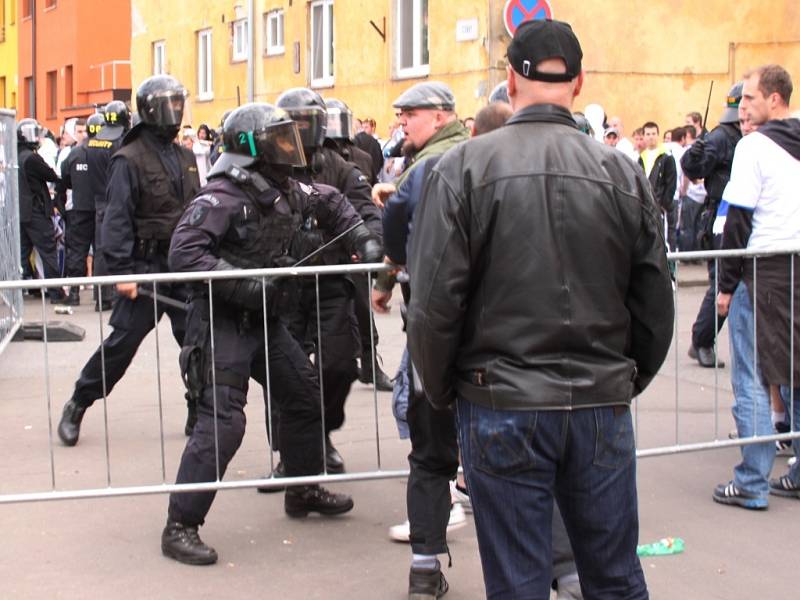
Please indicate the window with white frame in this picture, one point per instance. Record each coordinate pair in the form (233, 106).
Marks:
(205, 89)
(240, 39)
(273, 32)
(412, 38)
(159, 57)
(322, 43)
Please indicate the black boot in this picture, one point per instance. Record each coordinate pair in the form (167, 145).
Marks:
(182, 543)
(191, 418)
(426, 584)
(301, 500)
(382, 382)
(334, 462)
(57, 296)
(74, 298)
(279, 472)
(69, 428)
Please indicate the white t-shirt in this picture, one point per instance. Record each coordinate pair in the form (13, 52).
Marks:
(765, 179)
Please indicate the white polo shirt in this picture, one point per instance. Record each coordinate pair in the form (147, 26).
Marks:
(765, 179)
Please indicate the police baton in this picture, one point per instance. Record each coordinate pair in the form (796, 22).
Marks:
(162, 299)
(326, 244)
(708, 103)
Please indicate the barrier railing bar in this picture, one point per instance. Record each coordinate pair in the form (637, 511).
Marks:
(267, 385)
(105, 388)
(321, 382)
(158, 385)
(213, 373)
(47, 395)
(374, 358)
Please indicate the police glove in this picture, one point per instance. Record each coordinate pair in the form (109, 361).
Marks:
(366, 245)
(698, 149)
(244, 293)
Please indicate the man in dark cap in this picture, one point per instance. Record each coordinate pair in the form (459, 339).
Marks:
(539, 329)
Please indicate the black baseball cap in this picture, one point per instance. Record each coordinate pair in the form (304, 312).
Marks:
(538, 40)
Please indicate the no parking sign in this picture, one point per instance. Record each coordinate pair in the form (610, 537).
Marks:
(517, 12)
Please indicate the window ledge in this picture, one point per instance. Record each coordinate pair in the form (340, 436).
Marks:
(276, 51)
(205, 97)
(413, 72)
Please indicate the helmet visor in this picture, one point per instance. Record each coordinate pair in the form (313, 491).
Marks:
(165, 108)
(278, 144)
(340, 124)
(30, 131)
(312, 123)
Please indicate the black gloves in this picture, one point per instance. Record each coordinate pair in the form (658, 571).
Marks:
(366, 245)
(698, 148)
(246, 293)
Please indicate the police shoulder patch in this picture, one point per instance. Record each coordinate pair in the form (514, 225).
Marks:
(200, 209)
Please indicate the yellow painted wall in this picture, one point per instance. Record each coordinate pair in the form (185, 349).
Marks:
(9, 54)
(645, 60)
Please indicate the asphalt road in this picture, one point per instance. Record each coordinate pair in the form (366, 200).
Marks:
(103, 548)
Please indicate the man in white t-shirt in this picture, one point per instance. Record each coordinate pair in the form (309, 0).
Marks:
(624, 145)
(763, 214)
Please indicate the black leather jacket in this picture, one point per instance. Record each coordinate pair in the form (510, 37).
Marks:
(539, 269)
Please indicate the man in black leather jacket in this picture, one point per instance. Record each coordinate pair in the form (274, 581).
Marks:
(543, 303)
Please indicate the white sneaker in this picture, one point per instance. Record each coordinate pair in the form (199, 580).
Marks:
(458, 496)
(402, 532)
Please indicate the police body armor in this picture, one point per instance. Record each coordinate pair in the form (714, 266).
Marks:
(161, 200)
(98, 155)
(716, 181)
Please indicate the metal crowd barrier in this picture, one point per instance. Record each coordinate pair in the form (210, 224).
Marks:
(10, 299)
(679, 444)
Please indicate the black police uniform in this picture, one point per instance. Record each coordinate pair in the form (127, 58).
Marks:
(150, 182)
(340, 340)
(80, 220)
(35, 211)
(711, 161)
(244, 227)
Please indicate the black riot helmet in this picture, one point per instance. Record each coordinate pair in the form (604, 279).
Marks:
(500, 93)
(583, 123)
(29, 131)
(307, 109)
(340, 120)
(117, 114)
(160, 100)
(731, 112)
(262, 136)
(94, 124)
(117, 117)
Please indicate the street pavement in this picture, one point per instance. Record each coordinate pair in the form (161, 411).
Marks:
(101, 548)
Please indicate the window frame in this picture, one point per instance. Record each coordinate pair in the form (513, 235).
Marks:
(270, 47)
(328, 45)
(240, 37)
(159, 57)
(205, 89)
(417, 68)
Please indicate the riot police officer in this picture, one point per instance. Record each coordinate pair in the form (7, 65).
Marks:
(108, 139)
(340, 345)
(248, 216)
(75, 176)
(711, 158)
(36, 207)
(150, 182)
(339, 138)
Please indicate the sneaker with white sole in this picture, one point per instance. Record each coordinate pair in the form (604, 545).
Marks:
(728, 493)
(460, 497)
(402, 532)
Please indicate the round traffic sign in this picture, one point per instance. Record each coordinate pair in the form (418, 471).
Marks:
(517, 12)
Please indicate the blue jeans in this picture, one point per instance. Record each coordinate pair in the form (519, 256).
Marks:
(516, 462)
(751, 407)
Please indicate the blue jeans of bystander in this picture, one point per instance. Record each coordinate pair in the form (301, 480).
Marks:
(516, 462)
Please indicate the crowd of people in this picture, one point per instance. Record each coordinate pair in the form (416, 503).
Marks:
(561, 348)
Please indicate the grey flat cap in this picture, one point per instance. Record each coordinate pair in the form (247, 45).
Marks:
(429, 94)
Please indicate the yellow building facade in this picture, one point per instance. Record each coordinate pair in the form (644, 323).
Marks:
(9, 54)
(643, 60)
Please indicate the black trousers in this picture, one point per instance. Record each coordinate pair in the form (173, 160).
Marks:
(79, 238)
(339, 346)
(240, 354)
(131, 321)
(704, 329)
(38, 233)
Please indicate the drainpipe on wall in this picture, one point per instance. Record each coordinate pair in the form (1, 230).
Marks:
(33, 59)
(251, 45)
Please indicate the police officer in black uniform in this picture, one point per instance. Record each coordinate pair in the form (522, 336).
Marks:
(36, 207)
(117, 122)
(150, 182)
(710, 158)
(339, 138)
(75, 176)
(340, 344)
(248, 216)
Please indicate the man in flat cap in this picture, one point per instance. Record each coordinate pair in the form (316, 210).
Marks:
(427, 116)
(542, 305)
